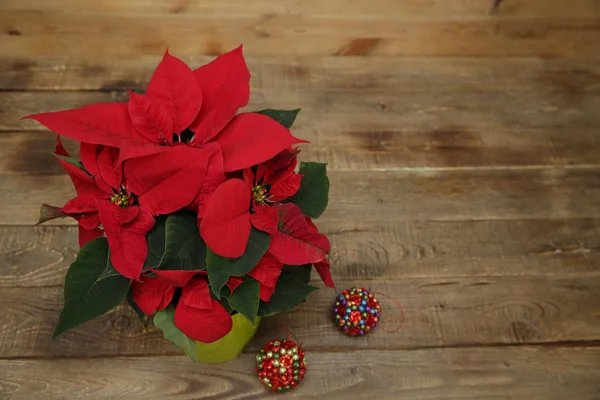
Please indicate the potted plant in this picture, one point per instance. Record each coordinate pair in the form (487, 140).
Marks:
(196, 214)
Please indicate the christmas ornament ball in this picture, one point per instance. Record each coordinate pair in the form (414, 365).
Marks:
(280, 365)
(356, 311)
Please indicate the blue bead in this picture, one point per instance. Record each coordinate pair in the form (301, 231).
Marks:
(364, 302)
(348, 310)
(361, 308)
(346, 317)
(373, 311)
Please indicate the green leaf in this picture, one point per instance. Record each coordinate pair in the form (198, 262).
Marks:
(71, 161)
(299, 272)
(156, 241)
(245, 298)
(90, 291)
(284, 117)
(289, 292)
(225, 303)
(48, 212)
(183, 247)
(313, 194)
(220, 268)
(163, 319)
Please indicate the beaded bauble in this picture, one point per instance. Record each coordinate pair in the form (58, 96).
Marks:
(356, 311)
(280, 365)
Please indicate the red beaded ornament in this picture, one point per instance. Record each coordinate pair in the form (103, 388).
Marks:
(356, 311)
(280, 365)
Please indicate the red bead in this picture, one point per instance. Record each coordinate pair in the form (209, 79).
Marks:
(286, 361)
(356, 299)
(355, 317)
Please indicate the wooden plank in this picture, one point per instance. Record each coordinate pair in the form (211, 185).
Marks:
(366, 110)
(351, 148)
(58, 72)
(527, 373)
(436, 312)
(92, 36)
(381, 9)
(34, 257)
(373, 196)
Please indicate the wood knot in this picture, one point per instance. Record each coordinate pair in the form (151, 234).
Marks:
(14, 32)
(120, 323)
(359, 47)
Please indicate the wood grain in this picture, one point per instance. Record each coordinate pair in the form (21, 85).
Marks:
(365, 110)
(92, 36)
(342, 9)
(346, 148)
(525, 373)
(34, 257)
(434, 312)
(317, 73)
(414, 194)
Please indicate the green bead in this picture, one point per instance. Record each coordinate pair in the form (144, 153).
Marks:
(270, 354)
(276, 363)
(282, 370)
(283, 351)
(296, 378)
(276, 343)
(354, 308)
(294, 350)
(296, 364)
(270, 385)
(266, 380)
(296, 372)
(276, 356)
(364, 315)
(295, 357)
(279, 389)
(337, 317)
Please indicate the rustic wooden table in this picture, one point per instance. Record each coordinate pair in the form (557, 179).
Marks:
(465, 167)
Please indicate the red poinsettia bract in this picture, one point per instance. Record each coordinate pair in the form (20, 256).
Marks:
(103, 200)
(227, 221)
(197, 314)
(267, 272)
(237, 205)
(178, 139)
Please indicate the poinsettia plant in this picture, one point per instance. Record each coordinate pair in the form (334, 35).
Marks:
(190, 210)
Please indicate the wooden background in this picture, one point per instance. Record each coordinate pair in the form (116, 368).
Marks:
(462, 145)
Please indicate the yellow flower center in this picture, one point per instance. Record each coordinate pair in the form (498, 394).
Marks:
(260, 193)
(121, 199)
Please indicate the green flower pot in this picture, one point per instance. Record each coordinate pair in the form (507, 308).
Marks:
(229, 346)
